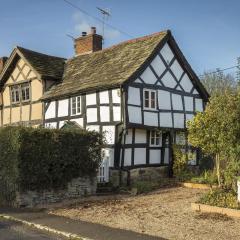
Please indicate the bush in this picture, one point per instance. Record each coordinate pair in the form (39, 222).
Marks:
(207, 177)
(39, 159)
(221, 198)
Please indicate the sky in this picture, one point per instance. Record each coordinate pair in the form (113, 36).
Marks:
(207, 31)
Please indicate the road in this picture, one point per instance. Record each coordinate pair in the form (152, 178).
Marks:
(10, 230)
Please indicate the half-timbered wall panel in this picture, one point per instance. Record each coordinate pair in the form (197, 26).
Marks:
(63, 108)
(21, 96)
(176, 96)
(155, 156)
(50, 110)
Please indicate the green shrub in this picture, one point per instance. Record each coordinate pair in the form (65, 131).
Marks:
(207, 177)
(221, 198)
(39, 159)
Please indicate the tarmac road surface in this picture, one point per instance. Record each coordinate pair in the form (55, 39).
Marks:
(10, 230)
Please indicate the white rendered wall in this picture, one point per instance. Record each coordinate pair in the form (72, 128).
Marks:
(178, 120)
(140, 136)
(51, 111)
(91, 99)
(151, 118)
(188, 103)
(79, 121)
(129, 136)
(177, 102)
(164, 101)
(165, 119)
(148, 76)
(104, 114)
(198, 105)
(116, 113)
(158, 66)
(104, 97)
(128, 157)
(63, 108)
(166, 156)
(139, 156)
(116, 96)
(176, 69)
(186, 83)
(168, 80)
(167, 53)
(91, 115)
(95, 128)
(134, 114)
(154, 156)
(134, 96)
(109, 133)
(109, 154)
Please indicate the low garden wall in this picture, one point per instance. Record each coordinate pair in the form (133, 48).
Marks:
(76, 188)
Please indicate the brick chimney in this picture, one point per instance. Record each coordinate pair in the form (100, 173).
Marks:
(2, 63)
(88, 43)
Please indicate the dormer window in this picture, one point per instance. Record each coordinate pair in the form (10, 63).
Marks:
(149, 97)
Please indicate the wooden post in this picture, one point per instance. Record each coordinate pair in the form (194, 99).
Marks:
(171, 136)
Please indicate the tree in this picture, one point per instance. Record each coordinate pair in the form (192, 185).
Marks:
(218, 82)
(217, 130)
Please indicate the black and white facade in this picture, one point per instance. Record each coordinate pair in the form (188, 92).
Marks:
(144, 116)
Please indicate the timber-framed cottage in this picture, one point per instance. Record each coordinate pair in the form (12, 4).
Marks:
(139, 93)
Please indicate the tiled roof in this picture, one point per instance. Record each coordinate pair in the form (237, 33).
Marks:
(107, 68)
(45, 65)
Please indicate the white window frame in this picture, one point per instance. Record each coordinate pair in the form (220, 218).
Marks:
(155, 138)
(77, 105)
(18, 90)
(25, 88)
(150, 99)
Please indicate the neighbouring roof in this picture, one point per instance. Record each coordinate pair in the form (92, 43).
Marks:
(45, 65)
(106, 68)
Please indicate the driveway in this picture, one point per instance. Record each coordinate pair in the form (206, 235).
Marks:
(164, 213)
(10, 230)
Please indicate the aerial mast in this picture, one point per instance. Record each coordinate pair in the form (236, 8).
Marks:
(105, 14)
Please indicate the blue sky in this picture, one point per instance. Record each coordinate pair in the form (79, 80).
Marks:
(207, 31)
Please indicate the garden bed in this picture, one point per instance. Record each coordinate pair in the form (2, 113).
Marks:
(213, 209)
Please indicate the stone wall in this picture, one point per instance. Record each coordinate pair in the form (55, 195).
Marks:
(78, 187)
(138, 174)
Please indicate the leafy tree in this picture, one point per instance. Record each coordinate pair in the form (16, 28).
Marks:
(217, 131)
(218, 82)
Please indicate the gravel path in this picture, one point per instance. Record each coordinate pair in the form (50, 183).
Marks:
(165, 213)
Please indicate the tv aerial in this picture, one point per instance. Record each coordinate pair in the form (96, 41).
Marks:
(105, 15)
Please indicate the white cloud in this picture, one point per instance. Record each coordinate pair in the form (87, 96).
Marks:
(84, 23)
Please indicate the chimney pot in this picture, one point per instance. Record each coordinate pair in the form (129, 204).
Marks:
(93, 30)
(84, 34)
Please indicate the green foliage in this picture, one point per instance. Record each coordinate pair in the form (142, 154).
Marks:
(207, 177)
(9, 147)
(180, 160)
(39, 159)
(221, 198)
(217, 131)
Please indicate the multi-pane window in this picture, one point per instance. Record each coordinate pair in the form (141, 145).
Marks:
(20, 92)
(155, 138)
(25, 92)
(150, 99)
(75, 105)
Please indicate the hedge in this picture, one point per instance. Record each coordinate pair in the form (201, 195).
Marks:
(43, 159)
